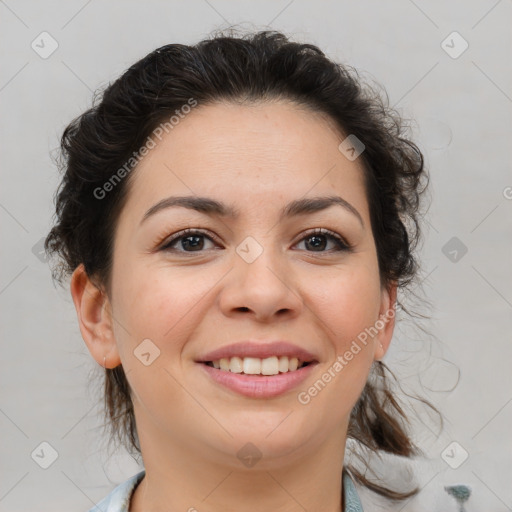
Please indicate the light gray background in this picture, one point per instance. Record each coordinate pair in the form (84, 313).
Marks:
(462, 108)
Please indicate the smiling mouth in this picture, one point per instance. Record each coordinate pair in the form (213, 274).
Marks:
(254, 366)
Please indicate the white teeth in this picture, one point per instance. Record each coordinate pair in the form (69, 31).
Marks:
(270, 366)
(283, 364)
(254, 366)
(236, 365)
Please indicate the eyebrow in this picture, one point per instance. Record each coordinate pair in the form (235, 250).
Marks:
(210, 206)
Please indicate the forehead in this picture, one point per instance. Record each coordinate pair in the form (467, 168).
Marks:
(247, 154)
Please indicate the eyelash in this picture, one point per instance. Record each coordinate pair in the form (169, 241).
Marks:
(342, 245)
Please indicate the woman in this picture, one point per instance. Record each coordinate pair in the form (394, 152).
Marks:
(233, 217)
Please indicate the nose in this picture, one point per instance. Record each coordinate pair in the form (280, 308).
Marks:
(265, 288)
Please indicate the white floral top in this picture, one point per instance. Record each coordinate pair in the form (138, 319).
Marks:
(119, 499)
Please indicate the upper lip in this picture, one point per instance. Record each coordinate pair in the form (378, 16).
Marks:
(260, 349)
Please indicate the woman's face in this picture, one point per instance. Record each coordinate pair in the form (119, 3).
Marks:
(259, 276)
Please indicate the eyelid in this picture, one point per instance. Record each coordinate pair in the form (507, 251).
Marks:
(324, 231)
(167, 241)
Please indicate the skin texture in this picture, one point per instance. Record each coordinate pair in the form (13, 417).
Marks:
(256, 158)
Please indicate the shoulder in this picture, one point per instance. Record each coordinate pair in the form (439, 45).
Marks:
(118, 500)
(351, 501)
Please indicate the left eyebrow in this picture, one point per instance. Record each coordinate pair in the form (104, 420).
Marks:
(211, 206)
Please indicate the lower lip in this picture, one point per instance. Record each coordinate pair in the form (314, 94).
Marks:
(259, 386)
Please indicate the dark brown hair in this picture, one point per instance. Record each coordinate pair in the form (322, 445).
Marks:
(254, 67)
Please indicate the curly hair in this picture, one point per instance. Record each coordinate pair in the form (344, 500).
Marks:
(258, 66)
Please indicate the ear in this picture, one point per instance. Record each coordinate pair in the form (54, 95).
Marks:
(386, 321)
(95, 318)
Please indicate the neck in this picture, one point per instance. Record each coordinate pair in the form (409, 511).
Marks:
(184, 478)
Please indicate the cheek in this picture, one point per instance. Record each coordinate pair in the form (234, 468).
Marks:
(347, 302)
(160, 307)
(155, 303)
(346, 308)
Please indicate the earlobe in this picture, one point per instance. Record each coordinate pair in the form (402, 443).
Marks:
(94, 318)
(386, 321)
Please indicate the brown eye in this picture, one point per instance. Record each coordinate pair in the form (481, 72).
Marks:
(317, 241)
(191, 241)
